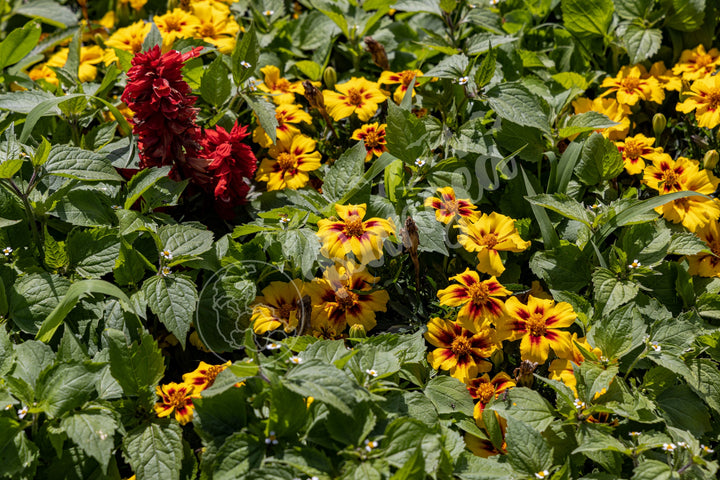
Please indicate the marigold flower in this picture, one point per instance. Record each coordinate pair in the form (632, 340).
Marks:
(164, 115)
(707, 264)
(697, 63)
(612, 109)
(373, 135)
(287, 116)
(282, 90)
(129, 39)
(357, 95)
(136, 5)
(704, 98)
(489, 235)
(403, 78)
(629, 87)
(665, 77)
(351, 235)
(448, 207)
(178, 398)
(464, 352)
(345, 295)
(176, 24)
(216, 25)
(634, 149)
(87, 71)
(480, 305)
(290, 163)
(483, 390)
(204, 375)
(538, 325)
(277, 307)
(232, 165)
(561, 369)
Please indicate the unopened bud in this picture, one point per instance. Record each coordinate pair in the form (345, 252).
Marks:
(330, 78)
(378, 53)
(524, 373)
(357, 331)
(710, 159)
(659, 122)
(313, 95)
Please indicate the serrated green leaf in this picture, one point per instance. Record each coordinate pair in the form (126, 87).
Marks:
(514, 102)
(93, 433)
(585, 122)
(56, 256)
(184, 240)
(641, 43)
(486, 70)
(564, 205)
(72, 162)
(528, 451)
(265, 112)
(618, 333)
(154, 450)
(66, 386)
(33, 297)
(173, 299)
(587, 18)
(247, 49)
(600, 160)
(141, 182)
(215, 85)
(449, 395)
(92, 253)
(137, 367)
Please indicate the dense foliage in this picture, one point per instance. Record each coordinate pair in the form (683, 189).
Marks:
(380, 239)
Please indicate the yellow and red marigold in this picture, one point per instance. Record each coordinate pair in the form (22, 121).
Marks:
(634, 150)
(287, 115)
(462, 351)
(538, 324)
(176, 398)
(478, 299)
(350, 234)
(488, 236)
(357, 95)
(483, 389)
(373, 135)
(281, 89)
(562, 369)
(629, 87)
(609, 107)
(697, 63)
(204, 375)
(289, 164)
(403, 78)
(707, 264)
(448, 207)
(277, 307)
(346, 295)
(176, 24)
(704, 98)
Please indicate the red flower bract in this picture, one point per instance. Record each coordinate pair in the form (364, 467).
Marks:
(232, 162)
(164, 117)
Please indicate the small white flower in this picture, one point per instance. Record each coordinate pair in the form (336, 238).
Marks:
(463, 80)
(604, 359)
(594, 206)
(682, 444)
(370, 445)
(284, 219)
(165, 271)
(295, 359)
(635, 264)
(419, 162)
(543, 474)
(669, 447)
(494, 2)
(271, 439)
(166, 254)
(268, 13)
(655, 346)
(245, 64)
(579, 404)
(115, 207)
(102, 435)
(7, 251)
(371, 372)
(706, 449)
(273, 346)
(8, 406)
(22, 412)
(635, 434)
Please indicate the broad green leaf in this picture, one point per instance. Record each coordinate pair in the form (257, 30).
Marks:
(173, 299)
(564, 205)
(19, 43)
(334, 13)
(611, 291)
(239, 455)
(221, 415)
(431, 233)
(41, 110)
(215, 85)
(587, 18)
(526, 405)
(514, 102)
(686, 15)
(706, 382)
(49, 12)
(405, 134)
(10, 167)
(72, 162)
(633, 9)
(141, 182)
(66, 386)
(414, 467)
(154, 450)
(595, 440)
(93, 433)
(404, 435)
(33, 297)
(70, 299)
(486, 70)
(449, 395)
(56, 256)
(137, 367)
(618, 333)
(184, 240)
(93, 252)
(265, 112)
(344, 173)
(642, 43)
(87, 208)
(600, 160)
(452, 67)
(25, 101)
(528, 451)
(686, 243)
(683, 409)
(129, 267)
(247, 50)
(42, 153)
(585, 122)
(653, 470)
(325, 383)
(31, 358)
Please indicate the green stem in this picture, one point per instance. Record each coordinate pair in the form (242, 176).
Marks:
(632, 365)
(30, 217)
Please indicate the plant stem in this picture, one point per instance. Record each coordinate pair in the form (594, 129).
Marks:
(30, 217)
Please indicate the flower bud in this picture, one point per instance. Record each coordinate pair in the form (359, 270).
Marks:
(710, 159)
(659, 122)
(357, 331)
(330, 78)
(524, 373)
(378, 53)
(313, 95)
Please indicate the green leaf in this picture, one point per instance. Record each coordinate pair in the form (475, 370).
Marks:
(215, 85)
(247, 49)
(563, 268)
(300, 247)
(686, 243)
(66, 386)
(405, 134)
(137, 367)
(265, 112)
(653, 470)
(72, 162)
(452, 67)
(686, 15)
(449, 395)
(633, 9)
(72, 296)
(564, 205)
(129, 266)
(431, 232)
(514, 102)
(238, 456)
(93, 433)
(600, 160)
(10, 167)
(486, 70)
(344, 173)
(19, 43)
(93, 252)
(49, 12)
(612, 292)
(587, 18)
(404, 435)
(223, 414)
(414, 467)
(525, 405)
(618, 333)
(184, 240)
(550, 237)
(42, 153)
(683, 409)
(141, 182)
(40, 110)
(86, 208)
(585, 122)
(325, 383)
(33, 297)
(154, 450)
(173, 299)
(31, 358)
(641, 43)
(528, 451)
(56, 256)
